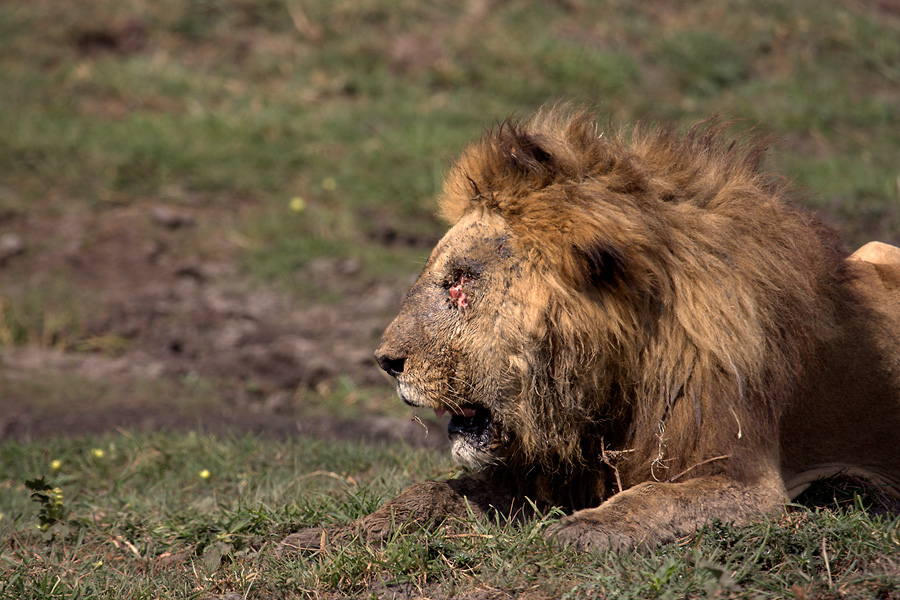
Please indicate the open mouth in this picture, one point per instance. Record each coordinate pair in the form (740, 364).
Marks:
(473, 424)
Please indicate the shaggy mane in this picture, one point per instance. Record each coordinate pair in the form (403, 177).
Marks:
(686, 290)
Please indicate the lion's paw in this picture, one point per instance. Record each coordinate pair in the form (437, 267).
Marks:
(590, 536)
(305, 540)
(370, 530)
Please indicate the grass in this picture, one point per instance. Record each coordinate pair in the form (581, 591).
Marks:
(162, 515)
(233, 104)
(230, 102)
(196, 516)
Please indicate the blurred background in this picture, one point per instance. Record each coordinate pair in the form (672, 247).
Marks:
(209, 210)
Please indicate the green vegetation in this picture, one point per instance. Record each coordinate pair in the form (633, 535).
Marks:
(175, 516)
(357, 107)
(195, 516)
(320, 129)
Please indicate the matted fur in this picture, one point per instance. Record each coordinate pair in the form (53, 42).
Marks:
(713, 293)
(638, 327)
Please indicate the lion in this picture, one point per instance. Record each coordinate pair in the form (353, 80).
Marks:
(642, 329)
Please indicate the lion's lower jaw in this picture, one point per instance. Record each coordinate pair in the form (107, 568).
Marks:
(468, 456)
(409, 395)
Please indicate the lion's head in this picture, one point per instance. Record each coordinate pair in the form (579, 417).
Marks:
(597, 288)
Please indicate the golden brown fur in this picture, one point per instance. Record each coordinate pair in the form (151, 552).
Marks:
(641, 328)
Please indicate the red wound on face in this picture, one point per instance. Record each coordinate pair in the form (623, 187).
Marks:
(457, 294)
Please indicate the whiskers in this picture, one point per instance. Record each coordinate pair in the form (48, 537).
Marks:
(457, 390)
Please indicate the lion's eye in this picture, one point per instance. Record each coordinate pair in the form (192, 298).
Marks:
(458, 297)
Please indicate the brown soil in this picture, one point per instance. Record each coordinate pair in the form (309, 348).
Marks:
(158, 308)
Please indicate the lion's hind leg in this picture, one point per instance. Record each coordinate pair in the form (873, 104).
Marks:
(877, 253)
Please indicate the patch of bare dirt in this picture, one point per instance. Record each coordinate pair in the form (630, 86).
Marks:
(158, 302)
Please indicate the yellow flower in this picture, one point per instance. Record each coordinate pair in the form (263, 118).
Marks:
(56, 465)
(98, 453)
(329, 184)
(204, 474)
(297, 204)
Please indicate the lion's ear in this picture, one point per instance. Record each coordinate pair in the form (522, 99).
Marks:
(604, 264)
(527, 153)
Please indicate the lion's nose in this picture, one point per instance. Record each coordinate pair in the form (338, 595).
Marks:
(392, 366)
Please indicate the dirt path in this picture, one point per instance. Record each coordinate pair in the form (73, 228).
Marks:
(139, 309)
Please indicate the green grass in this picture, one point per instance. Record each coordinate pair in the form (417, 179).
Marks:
(195, 516)
(176, 515)
(229, 103)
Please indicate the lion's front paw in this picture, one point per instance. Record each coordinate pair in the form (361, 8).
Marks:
(590, 536)
(305, 540)
(313, 539)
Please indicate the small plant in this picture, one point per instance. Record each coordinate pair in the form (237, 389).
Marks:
(50, 499)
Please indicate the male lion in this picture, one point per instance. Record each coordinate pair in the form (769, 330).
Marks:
(641, 330)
